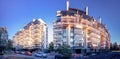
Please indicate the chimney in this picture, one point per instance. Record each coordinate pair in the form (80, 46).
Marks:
(99, 19)
(67, 5)
(86, 10)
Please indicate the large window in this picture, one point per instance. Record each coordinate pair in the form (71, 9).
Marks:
(71, 32)
(59, 33)
(64, 32)
(58, 19)
(64, 39)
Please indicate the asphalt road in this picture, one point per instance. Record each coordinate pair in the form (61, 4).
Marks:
(110, 55)
(20, 56)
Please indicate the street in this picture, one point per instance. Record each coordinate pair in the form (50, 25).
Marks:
(109, 55)
(21, 56)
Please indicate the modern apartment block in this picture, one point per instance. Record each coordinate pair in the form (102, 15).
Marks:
(79, 30)
(33, 35)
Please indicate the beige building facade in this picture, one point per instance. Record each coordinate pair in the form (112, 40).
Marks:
(34, 35)
(79, 30)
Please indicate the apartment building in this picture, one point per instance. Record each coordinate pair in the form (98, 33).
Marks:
(79, 30)
(33, 35)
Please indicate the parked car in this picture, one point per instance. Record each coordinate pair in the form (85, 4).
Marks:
(60, 56)
(41, 54)
(17, 52)
(93, 54)
(22, 52)
(28, 53)
(38, 54)
(76, 55)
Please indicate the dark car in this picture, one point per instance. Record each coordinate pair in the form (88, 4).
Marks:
(61, 56)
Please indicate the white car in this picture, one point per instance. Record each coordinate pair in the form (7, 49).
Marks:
(41, 54)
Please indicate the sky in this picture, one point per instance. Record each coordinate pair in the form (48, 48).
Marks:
(15, 14)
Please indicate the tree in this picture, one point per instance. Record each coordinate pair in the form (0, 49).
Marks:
(9, 45)
(51, 47)
(119, 46)
(64, 50)
(114, 46)
(1, 47)
(3, 39)
(111, 46)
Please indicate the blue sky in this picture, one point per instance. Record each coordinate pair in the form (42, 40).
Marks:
(14, 14)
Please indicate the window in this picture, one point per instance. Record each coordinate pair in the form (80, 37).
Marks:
(64, 39)
(59, 33)
(71, 39)
(64, 36)
(2, 36)
(58, 19)
(71, 32)
(64, 32)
